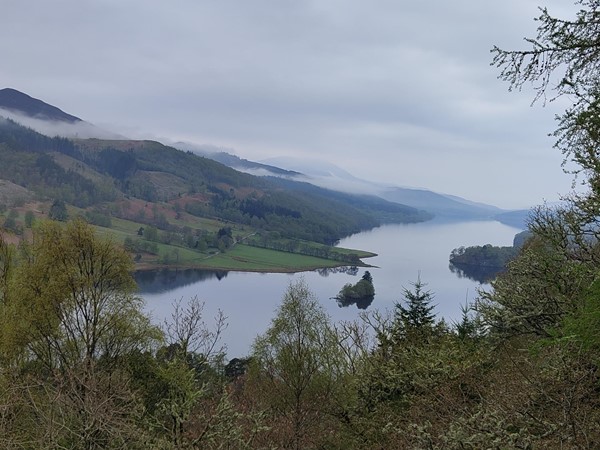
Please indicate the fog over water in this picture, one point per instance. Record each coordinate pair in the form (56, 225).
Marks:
(250, 300)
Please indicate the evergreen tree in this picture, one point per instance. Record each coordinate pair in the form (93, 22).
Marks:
(367, 277)
(416, 312)
(58, 211)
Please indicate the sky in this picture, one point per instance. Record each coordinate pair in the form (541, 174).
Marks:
(393, 91)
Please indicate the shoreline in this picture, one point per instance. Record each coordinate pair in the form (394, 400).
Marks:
(146, 267)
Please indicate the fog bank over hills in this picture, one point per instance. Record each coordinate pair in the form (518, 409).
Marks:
(47, 119)
(52, 121)
(329, 176)
(73, 130)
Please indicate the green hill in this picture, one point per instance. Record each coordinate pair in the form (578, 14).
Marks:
(177, 192)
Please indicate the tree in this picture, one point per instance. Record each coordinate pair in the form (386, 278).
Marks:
(150, 233)
(29, 218)
(7, 265)
(58, 211)
(547, 298)
(367, 277)
(187, 330)
(76, 320)
(360, 294)
(10, 223)
(187, 376)
(546, 282)
(564, 61)
(417, 314)
(83, 286)
(294, 368)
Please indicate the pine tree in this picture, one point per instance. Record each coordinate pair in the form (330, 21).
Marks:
(416, 312)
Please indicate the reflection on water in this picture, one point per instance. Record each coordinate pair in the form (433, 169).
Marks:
(480, 274)
(349, 270)
(361, 303)
(163, 280)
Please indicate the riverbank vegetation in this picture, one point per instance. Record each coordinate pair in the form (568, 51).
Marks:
(483, 263)
(201, 243)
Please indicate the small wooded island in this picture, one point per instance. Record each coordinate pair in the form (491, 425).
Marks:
(360, 294)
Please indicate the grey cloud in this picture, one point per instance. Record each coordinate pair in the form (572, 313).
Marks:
(400, 91)
(53, 128)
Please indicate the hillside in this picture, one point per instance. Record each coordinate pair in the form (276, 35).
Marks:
(18, 102)
(443, 206)
(179, 193)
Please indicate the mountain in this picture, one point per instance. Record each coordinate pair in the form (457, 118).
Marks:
(324, 174)
(235, 162)
(441, 205)
(517, 219)
(330, 176)
(450, 207)
(17, 102)
(47, 119)
(137, 174)
(89, 173)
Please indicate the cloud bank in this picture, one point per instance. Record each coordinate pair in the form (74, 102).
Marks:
(397, 91)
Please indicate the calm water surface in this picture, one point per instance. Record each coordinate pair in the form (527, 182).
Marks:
(249, 300)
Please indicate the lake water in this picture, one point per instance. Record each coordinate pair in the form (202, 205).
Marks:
(250, 300)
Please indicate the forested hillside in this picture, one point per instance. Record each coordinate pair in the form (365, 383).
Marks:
(90, 172)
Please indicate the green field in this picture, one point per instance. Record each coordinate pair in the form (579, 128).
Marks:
(239, 257)
(246, 258)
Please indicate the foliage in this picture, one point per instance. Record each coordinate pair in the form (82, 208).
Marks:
(481, 263)
(68, 322)
(416, 313)
(360, 294)
(483, 256)
(75, 290)
(153, 172)
(294, 369)
(58, 211)
(563, 60)
(82, 367)
(94, 174)
(545, 283)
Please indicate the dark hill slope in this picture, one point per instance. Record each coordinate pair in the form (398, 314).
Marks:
(21, 103)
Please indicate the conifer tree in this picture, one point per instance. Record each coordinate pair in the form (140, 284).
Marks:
(416, 312)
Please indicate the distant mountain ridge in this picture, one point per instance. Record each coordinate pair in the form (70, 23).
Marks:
(16, 101)
(235, 162)
(441, 205)
(47, 119)
(332, 177)
(318, 173)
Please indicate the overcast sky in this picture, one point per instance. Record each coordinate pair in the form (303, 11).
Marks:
(391, 90)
